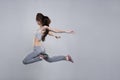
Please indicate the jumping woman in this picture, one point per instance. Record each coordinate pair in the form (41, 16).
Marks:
(39, 53)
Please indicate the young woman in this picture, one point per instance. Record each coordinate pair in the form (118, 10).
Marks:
(39, 53)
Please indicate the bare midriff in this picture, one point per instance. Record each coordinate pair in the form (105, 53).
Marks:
(36, 42)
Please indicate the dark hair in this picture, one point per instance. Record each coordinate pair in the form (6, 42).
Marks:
(45, 21)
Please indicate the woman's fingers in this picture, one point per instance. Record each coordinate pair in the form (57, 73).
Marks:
(57, 37)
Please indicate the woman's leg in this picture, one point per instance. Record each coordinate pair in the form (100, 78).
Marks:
(32, 57)
(58, 58)
(55, 58)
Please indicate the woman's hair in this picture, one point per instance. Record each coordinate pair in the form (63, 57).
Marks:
(45, 21)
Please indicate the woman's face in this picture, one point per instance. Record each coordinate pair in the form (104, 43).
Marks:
(38, 22)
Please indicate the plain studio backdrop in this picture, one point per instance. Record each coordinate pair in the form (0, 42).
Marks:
(95, 46)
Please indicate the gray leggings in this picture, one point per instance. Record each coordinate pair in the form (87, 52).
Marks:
(35, 56)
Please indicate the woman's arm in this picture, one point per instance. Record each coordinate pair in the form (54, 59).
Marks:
(59, 31)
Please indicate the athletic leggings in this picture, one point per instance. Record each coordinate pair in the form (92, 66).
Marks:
(34, 56)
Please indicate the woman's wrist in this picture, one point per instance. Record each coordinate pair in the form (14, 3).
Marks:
(64, 31)
(69, 31)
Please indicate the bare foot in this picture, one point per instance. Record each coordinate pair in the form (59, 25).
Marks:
(69, 58)
(41, 56)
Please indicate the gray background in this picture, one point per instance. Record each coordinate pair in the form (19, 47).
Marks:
(95, 46)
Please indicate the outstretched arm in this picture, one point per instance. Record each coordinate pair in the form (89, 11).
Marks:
(59, 31)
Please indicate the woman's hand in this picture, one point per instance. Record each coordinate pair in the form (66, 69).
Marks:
(57, 37)
(70, 32)
(51, 34)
